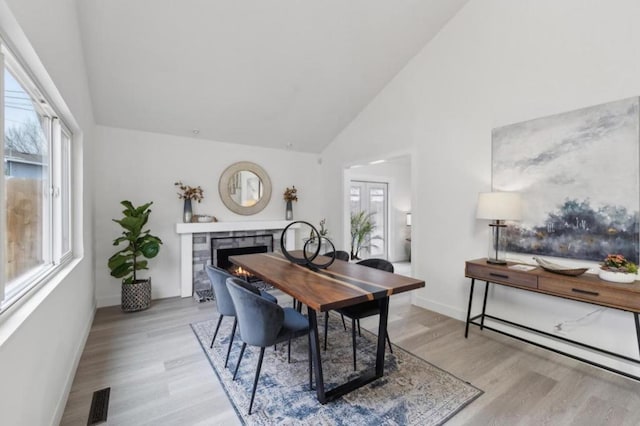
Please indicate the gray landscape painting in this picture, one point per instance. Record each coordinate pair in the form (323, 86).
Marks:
(578, 173)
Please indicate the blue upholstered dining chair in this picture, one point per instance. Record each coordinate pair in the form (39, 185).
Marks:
(361, 310)
(263, 323)
(218, 278)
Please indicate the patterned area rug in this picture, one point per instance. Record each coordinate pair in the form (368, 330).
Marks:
(411, 392)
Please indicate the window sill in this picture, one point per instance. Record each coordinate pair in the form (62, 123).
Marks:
(12, 317)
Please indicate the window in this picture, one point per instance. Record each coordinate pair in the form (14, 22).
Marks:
(35, 207)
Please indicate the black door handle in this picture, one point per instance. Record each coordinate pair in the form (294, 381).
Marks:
(590, 293)
(493, 274)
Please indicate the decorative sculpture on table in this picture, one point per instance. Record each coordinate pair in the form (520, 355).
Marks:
(315, 239)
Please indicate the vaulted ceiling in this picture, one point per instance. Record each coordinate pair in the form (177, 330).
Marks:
(274, 73)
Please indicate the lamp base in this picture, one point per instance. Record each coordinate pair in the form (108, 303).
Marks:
(496, 261)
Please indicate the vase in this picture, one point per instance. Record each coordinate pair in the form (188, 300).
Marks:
(617, 277)
(188, 211)
(289, 212)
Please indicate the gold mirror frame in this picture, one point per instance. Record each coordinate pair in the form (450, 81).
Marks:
(229, 173)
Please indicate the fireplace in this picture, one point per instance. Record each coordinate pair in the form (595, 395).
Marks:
(223, 261)
(195, 246)
(223, 247)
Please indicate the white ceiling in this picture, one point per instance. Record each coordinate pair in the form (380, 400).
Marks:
(277, 73)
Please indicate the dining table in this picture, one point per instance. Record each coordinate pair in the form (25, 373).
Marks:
(340, 285)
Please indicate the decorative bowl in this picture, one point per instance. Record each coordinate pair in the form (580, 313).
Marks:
(205, 218)
(616, 277)
(559, 269)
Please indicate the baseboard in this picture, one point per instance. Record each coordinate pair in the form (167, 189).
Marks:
(62, 403)
(450, 311)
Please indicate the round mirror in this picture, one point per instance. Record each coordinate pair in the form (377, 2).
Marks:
(245, 188)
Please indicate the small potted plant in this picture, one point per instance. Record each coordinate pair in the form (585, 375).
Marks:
(290, 195)
(616, 268)
(188, 193)
(125, 264)
(362, 226)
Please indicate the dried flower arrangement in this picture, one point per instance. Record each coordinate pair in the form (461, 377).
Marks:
(618, 263)
(189, 192)
(291, 194)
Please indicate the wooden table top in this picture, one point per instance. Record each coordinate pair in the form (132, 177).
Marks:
(342, 284)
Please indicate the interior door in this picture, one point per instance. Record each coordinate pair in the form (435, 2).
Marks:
(372, 197)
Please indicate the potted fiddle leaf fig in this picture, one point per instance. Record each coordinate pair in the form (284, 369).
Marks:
(139, 246)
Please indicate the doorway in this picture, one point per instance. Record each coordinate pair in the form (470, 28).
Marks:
(371, 198)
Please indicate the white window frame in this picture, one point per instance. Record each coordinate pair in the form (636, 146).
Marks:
(52, 229)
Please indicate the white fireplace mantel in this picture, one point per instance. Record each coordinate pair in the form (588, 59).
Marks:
(186, 231)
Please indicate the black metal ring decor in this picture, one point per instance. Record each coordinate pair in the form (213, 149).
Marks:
(306, 260)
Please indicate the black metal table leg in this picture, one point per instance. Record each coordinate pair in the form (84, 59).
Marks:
(366, 377)
(315, 355)
(382, 333)
(635, 314)
(466, 328)
(484, 304)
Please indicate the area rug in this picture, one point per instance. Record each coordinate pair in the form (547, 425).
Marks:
(411, 392)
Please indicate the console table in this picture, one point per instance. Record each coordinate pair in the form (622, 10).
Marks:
(585, 288)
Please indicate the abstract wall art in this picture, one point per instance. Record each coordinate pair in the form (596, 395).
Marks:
(579, 175)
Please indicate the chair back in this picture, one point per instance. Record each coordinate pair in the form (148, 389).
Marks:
(382, 264)
(259, 319)
(218, 278)
(340, 255)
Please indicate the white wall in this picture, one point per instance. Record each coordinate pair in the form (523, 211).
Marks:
(143, 167)
(41, 340)
(497, 62)
(397, 173)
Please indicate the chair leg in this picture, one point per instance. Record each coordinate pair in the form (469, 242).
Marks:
(289, 352)
(389, 342)
(255, 381)
(235, 372)
(326, 327)
(353, 341)
(233, 334)
(215, 333)
(359, 333)
(343, 323)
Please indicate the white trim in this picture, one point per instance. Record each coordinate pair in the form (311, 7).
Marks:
(253, 225)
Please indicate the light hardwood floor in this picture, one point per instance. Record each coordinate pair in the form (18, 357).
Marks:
(159, 375)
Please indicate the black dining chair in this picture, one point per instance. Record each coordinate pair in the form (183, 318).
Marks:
(340, 255)
(218, 278)
(264, 323)
(361, 310)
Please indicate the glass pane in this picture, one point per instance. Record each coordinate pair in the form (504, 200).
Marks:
(65, 193)
(354, 197)
(377, 206)
(26, 160)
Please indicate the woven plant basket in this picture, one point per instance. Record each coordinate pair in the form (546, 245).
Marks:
(137, 296)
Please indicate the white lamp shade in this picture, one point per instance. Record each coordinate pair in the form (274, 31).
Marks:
(499, 206)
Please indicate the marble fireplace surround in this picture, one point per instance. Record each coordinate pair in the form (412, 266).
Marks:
(187, 231)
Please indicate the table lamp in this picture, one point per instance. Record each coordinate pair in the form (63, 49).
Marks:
(498, 207)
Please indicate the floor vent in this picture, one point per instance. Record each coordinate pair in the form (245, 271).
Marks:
(99, 407)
